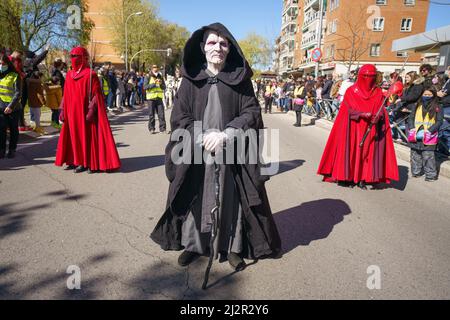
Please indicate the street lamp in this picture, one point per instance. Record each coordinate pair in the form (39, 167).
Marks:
(126, 37)
(167, 51)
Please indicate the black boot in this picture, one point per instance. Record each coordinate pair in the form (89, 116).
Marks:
(236, 261)
(79, 169)
(70, 167)
(187, 257)
(362, 185)
(2, 153)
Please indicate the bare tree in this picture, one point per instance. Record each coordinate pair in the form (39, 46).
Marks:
(355, 38)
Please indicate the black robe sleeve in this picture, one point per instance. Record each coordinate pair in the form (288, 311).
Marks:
(181, 118)
(250, 112)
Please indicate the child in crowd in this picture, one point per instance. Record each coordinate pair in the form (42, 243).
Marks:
(53, 97)
(424, 123)
(36, 100)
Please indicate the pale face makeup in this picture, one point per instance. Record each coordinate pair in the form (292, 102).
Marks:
(216, 51)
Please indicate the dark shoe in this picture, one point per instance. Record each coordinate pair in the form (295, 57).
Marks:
(70, 167)
(79, 169)
(346, 184)
(2, 153)
(362, 185)
(236, 261)
(430, 179)
(11, 154)
(296, 125)
(187, 258)
(152, 131)
(89, 171)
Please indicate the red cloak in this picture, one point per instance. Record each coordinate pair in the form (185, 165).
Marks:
(343, 159)
(90, 144)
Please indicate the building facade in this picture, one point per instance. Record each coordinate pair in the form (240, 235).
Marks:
(286, 44)
(103, 51)
(353, 33)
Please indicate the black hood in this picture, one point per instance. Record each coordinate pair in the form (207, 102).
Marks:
(236, 67)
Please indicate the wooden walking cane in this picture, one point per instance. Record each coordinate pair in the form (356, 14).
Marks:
(214, 212)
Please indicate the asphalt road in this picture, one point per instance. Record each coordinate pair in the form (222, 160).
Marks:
(334, 238)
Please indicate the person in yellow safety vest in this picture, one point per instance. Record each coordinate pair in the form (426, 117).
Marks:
(10, 92)
(104, 82)
(154, 87)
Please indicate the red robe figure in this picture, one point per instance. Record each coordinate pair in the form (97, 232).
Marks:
(86, 141)
(343, 160)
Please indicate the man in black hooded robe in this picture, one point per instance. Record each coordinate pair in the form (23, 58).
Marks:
(216, 90)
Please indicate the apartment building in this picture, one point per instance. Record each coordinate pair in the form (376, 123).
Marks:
(286, 46)
(100, 12)
(355, 32)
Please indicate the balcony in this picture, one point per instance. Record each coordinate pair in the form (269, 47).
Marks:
(290, 5)
(288, 37)
(286, 54)
(312, 4)
(311, 19)
(288, 20)
(309, 40)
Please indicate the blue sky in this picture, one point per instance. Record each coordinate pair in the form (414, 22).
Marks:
(244, 16)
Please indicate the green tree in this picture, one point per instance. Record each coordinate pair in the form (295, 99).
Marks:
(34, 24)
(257, 50)
(146, 31)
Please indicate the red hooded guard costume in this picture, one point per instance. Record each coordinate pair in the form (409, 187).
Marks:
(86, 138)
(343, 159)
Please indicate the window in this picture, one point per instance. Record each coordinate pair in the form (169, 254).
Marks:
(334, 4)
(410, 2)
(378, 24)
(375, 50)
(332, 51)
(334, 26)
(402, 54)
(406, 25)
(381, 2)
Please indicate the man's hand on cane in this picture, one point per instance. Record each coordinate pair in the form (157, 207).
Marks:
(214, 141)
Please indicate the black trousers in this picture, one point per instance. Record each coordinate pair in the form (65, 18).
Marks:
(423, 162)
(298, 117)
(268, 104)
(55, 115)
(10, 121)
(156, 107)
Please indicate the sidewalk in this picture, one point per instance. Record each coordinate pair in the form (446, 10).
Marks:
(402, 151)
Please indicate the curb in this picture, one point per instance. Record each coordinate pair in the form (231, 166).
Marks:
(402, 152)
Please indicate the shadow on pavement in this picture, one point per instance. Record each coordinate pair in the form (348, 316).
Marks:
(91, 288)
(403, 174)
(310, 221)
(162, 281)
(14, 216)
(141, 163)
(13, 219)
(285, 166)
(33, 155)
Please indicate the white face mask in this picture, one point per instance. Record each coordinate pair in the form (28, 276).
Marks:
(216, 49)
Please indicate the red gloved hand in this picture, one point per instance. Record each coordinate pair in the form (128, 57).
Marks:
(375, 119)
(366, 115)
(92, 110)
